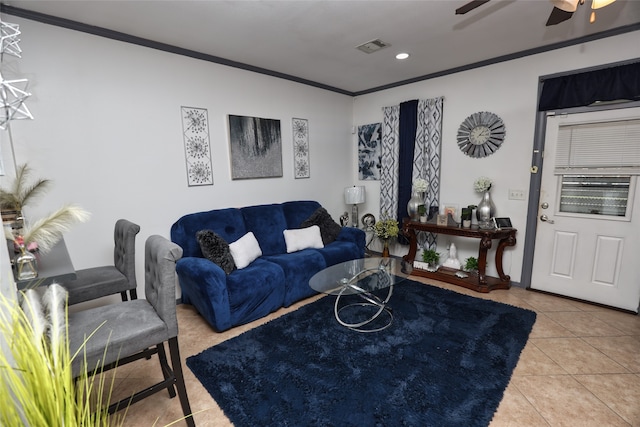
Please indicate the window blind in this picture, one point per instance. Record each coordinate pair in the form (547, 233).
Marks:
(613, 145)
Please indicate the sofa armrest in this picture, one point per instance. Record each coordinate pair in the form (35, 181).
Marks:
(204, 285)
(355, 235)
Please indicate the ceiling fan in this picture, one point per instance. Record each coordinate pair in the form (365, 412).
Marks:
(562, 9)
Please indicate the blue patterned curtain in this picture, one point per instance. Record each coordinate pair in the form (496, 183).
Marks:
(425, 162)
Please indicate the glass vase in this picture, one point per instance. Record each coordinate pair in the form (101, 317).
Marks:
(385, 248)
(26, 265)
(416, 200)
(485, 211)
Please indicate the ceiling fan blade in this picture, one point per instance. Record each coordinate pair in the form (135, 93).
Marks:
(557, 16)
(470, 6)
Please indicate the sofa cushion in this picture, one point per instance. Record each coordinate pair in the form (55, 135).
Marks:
(329, 229)
(255, 291)
(297, 211)
(245, 250)
(267, 222)
(228, 223)
(303, 238)
(216, 249)
(298, 267)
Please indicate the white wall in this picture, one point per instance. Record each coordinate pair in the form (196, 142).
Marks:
(108, 132)
(509, 90)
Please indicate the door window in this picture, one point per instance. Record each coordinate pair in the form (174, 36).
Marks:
(595, 195)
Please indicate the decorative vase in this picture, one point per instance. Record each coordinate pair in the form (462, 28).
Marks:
(414, 203)
(26, 265)
(485, 211)
(13, 221)
(385, 248)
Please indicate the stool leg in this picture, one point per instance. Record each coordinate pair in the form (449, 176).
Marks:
(174, 350)
(166, 369)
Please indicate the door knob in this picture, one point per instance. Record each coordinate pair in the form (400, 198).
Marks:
(545, 218)
(544, 205)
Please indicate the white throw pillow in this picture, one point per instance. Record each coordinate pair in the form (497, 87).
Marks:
(303, 238)
(245, 250)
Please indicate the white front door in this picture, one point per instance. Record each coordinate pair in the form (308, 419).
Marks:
(588, 234)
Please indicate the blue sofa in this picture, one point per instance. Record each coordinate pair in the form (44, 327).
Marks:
(276, 279)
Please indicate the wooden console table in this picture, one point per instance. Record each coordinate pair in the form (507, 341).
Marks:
(481, 283)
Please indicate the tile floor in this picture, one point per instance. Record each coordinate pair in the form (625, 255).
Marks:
(580, 367)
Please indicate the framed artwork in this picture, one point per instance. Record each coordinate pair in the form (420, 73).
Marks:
(197, 148)
(301, 167)
(255, 147)
(369, 151)
(453, 210)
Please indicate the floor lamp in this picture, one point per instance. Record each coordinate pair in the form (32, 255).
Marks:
(354, 196)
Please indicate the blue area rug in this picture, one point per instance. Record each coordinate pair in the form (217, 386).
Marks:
(445, 361)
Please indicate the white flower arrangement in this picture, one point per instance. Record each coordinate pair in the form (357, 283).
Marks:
(482, 184)
(420, 185)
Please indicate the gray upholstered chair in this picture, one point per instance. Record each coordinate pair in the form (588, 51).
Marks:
(95, 282)
(131, 330)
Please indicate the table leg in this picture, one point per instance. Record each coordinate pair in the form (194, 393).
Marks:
(485, 245)
(509, 241)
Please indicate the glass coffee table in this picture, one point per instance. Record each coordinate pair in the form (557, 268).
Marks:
(371, 280)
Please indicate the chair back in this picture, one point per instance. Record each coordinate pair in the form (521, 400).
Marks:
(124, 252)
(161, 256)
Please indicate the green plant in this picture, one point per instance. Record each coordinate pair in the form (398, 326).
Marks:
(422, 210)
(386, 228)
(20, 192)
(37, 387)
(471, 264)
(430, 256)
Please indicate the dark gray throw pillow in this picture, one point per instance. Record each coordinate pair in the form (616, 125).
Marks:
(329, 229)
(216, 249)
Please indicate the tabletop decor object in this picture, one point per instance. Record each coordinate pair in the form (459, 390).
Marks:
(385, 229)
(420, 187)
(354, 196)
(486, 208)
(43, 233)
(17, 195)
(430, 259)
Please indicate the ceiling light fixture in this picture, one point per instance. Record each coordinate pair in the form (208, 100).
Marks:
(402, 55)
(597, 4)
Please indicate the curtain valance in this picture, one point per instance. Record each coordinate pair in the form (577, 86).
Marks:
(582, 89)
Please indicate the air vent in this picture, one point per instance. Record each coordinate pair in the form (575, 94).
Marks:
(372, 46)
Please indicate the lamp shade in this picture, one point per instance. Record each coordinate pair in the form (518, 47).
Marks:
(597, 4)
(354, 195)
(566, 5)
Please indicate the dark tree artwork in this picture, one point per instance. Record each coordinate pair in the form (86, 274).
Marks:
(256, 147)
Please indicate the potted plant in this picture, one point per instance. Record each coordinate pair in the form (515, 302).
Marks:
(19, 194)
(385, 229)
(471, 264)
(431, 258)
(422, 212)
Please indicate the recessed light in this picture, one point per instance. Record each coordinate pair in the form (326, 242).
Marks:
(402, 55)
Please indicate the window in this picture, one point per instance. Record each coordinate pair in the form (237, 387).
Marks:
(595, 194)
